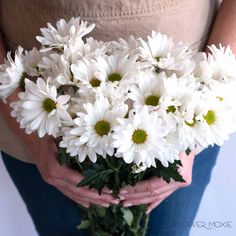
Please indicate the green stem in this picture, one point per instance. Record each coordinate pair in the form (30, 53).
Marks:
(116, 187)
(137, 218)
(145, 225)
(110, 165)
(90, 216)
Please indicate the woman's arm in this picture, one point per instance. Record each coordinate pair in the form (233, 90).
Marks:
(2, 50)
(224, 28)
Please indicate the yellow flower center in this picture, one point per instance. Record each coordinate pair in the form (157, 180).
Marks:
(210, 117)
(152, 100)
(102, 127)
(157, 58)
(49, 105)
(220, 98)
(171, 109)
(95, 82)
(139, 136)
(22, 80)
(114, 77)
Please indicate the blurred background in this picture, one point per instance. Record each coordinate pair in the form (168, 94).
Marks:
(216, 215)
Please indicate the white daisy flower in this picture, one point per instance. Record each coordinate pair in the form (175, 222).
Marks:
(91, 82)
(42, 109)
(178, 93)
(130, 46)
(92, 49)
(219, 66)
(224, 92)
(157, 46)
(138, 168)
(17, 110)
(32, 59)
(12, 74)
(209, 124)
(149, 91)
(178, 61)
(79, 98)
(202, 70)
(57, 67)
(217, 120)
(172, 150)
(85, 72)
(115, 95)
(223, 63)
(65, 33)
(117, 69)
(190, 130)
(94, 128)
(161, 52)
(71, 141)
(140, 138)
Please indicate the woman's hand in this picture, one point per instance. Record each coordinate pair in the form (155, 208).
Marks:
(155, 190)
(64, 178)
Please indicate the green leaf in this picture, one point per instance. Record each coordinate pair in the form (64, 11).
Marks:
(84, 224)
(127, 215)
(95, 179)
(188, 151)
(62, 156)
(100, 233)
(177, 163)
(101, 211)
(171, 172)
(167, 173)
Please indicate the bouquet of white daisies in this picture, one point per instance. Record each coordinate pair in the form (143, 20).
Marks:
(123, 110)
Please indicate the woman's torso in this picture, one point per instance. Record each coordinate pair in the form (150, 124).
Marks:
(21, 20)
(185, 20)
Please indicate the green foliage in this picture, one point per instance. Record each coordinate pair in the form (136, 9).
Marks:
(62, 157)
(96, 178)
(109, 172)
(167, 173)
(188, 151)
(114, 173)
(116, 221)
(127, 215)
(84, 224)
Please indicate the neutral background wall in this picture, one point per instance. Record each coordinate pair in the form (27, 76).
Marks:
(216, 216)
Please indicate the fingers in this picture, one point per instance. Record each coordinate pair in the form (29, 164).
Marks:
(128, 196)
(143, 186)
(147, 188)
(158, 185)
(140, 201)
(83, 200)
(66, 179)
(145, 200)
(106, 190)
(86, 194)
(141, 195)
(155, 203)
(85, 204)
(71, 176)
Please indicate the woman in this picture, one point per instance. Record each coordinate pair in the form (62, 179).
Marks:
(52, 211)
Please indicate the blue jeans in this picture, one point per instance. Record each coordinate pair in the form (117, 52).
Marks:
(56, 215)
